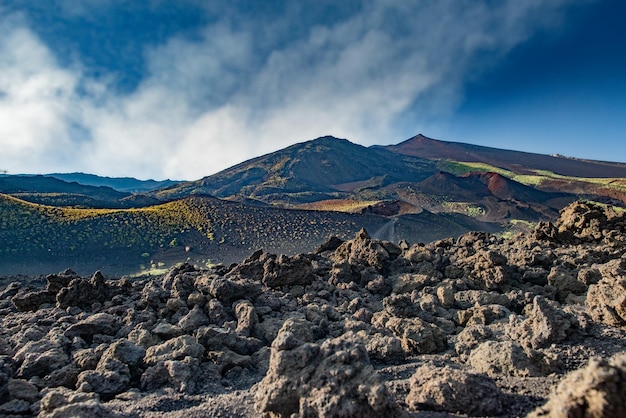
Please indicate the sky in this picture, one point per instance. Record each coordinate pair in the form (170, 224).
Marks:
(183, 89)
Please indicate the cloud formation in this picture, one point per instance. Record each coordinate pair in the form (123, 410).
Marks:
(251, 83)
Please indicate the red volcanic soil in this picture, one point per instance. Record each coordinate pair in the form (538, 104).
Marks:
(471, 185)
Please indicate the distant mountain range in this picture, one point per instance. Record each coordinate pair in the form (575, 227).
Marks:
(122, 184)
(290, 200)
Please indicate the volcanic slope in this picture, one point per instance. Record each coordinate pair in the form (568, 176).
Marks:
(323, 168)
(198, 229)
(334, 174)
(551, 173)
(489, 196)
(519, 162)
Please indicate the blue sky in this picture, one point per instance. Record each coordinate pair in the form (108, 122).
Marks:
(164, 89)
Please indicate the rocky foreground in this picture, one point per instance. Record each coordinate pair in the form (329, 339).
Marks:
(479, 326)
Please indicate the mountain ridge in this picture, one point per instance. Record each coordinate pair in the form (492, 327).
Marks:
(318, 166)
(518, 161)
(122, 184)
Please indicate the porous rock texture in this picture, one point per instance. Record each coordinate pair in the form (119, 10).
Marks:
(598, 390)
(454, 390)
(477, 325)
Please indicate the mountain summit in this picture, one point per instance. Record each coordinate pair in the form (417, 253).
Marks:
(318, 167)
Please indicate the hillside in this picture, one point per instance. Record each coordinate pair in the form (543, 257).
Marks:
(310, 171)
(48, 190)
(122, 184)
(490, 196)
(36, 238)
(334, 174)
(600, 180)
(519, 162)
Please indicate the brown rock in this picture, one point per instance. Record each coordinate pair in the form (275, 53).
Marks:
(598, 390)
(546, 324)
(606, 301)
(497, 358)
(175, 349)
(334, 379)
(453, 390)
(288, 271)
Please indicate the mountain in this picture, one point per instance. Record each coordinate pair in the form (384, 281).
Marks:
(82, 190)
(334, 174)
(289, 201)
(122, 184)
(314, 170)
(600, 180)
(56, 192)
(516, 161)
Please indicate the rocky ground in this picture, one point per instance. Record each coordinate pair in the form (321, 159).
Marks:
(479, 326)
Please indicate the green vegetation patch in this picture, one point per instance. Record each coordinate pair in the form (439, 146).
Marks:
(537, 179)
(27, 228)
(464, 208)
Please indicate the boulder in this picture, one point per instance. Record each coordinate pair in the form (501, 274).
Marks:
(167, 331)
(595, 391)
(39, 358)
(334, 379)
(228, 290)
(56, 282)
(83, 293)
(106, 383)
(23, 389)
(606, 301)
(100, 323)
(11, 290)
(91, 409)
(454, 390)
(184, 374)
(175, 349)
(66, 376)
(361, 252)
(565, 281)
(546, 324)
(124, 351)
(215, 338)
(247, 317)
(31, 300)
(15, 407)
(583, 220)
(416, 335)
(331, 244)
(385, 348)
(470, 338)
(506, 358)
(60, 397)
(195, 319)
(287, 271)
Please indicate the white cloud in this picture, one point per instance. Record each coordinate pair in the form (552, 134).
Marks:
(232, 93)
(37, 103)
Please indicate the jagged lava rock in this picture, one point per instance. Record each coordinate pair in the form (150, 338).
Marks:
(606, 301)
(454, 390)
(597, 390)
(334, 379)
